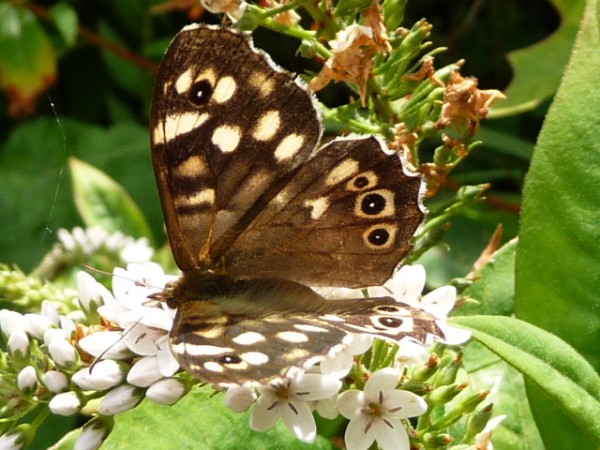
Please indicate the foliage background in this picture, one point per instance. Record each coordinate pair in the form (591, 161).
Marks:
(97, 111)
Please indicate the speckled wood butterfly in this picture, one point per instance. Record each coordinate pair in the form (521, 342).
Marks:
(256, 212)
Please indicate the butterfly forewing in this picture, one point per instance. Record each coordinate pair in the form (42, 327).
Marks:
(227, 129)
(255, 212)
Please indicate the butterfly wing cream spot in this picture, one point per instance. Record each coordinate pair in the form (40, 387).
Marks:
(227, 137)
(206, 350)
(296, 354)
(294, 337)
(212, 366)
(193, 167)
(175, 125)
(331, 318)
(224, 89)
(262, 83)
(211, 333)
(208, 75)
(267, 126)
(206, 196)
(310, 328)
(343, 170)
(375, 204)
(318, 207)
(380, 236)
(184, 81)
(289, 147)
(249, 338)
(363, 181)
(255, 358)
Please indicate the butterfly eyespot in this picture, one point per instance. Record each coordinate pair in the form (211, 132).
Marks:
(373, 204)
(230, 359)
(200, 93)
(390, 322)
(361, 182)
(378, 237)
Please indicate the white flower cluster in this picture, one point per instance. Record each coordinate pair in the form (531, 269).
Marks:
(133, 360)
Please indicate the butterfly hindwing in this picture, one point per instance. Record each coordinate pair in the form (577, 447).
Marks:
(344, 219)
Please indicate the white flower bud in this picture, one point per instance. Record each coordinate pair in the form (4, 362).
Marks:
(166, 391)
(63, 353)
(120, 399)
(144, 372)
(91, 293)
(56, 381)
(37, 325)
(67, 324)
(14, 439)
(50, 311)
(239, 398)
(11, 321)
(109, 344)
(65, 404)
(18, 344)
(54, 334)
(99, 377)
(27, 380)
(93, 434)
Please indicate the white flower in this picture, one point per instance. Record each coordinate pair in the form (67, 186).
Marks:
(11, 321)
(120, 399)
(166, 391)
(146, 329)
(375, 413)
(27, 380)
(339, 363)
(100, 376)
(18, 344)
(13, 440)
(483, 440)
(144, 372)
(55, 381)
(105, 344)
(93, 434)
(65, 404)
(37, 325)
(234, 8)
(62, 352)
(411, 353)
(288, 400)
(50, 312)
(239, 398)
(91, 293)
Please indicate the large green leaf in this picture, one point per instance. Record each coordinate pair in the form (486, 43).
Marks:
(557, 280)
(550, 364)
(202, 422)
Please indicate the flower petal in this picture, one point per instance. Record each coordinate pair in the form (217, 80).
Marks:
(390, 435)
(403, 404)
(357, 437)
(314, 386)
(351, 403)
(266, 412)
(440, 301)
(383, 380)
(299, 419)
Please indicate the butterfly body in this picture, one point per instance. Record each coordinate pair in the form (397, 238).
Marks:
(257, 212)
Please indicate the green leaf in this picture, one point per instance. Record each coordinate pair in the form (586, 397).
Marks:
(547, 362)
(486, 370)
(36, 194)
(202, 422)
(494, 287)
(101, 201)
(539, 68)
(66, 21)
(27, 59)
(557, 283)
